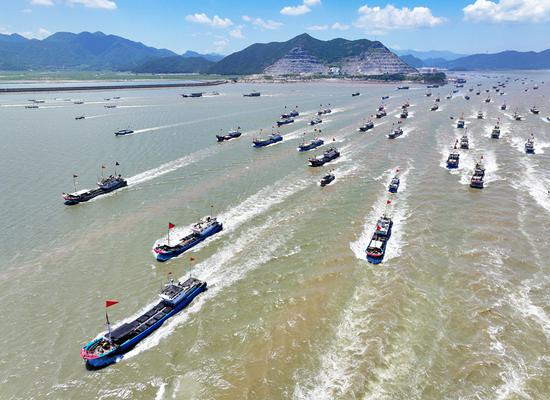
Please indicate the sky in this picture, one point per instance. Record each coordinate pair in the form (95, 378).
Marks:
(225, 26)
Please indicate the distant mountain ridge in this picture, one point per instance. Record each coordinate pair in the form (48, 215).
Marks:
(85, 50)
(209, 56)
(430, 54)
(304, 54)
(175, 65)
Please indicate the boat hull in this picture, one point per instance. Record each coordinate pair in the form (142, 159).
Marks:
(167, 255)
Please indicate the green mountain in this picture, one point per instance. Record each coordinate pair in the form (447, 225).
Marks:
(82, 51)
(174, 64)
(305, 54)
(412, 60)
(503, 60)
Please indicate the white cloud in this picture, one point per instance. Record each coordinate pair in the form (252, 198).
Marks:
(379, 20)
(42, 2)
(508, 11)
(236, 33)
(220, 45)
(339, 26)
(269, 24)
(104, 4)
(303, 8)
(216, 22)
(318, 28)
(40, 34)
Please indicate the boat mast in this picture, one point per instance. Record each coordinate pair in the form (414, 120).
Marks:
(74, 181)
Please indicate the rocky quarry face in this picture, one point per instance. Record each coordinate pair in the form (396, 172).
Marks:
(297, 61)
(374, 61)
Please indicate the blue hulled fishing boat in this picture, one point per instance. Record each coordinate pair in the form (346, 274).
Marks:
(201, 230)
(376, 249)
(111, 346)
(271, 139)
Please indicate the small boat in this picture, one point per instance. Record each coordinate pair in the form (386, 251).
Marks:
(530, 145)
(488, 100)
(380, 113)
(200, 231)
(503, 107)
(292, 114)
(271, 139)
(379, 240)
(404, 113)
(315, 121)
(455, 91)
(324, 111)
(402, 88)
(471, 90)
(480, 115)
(31, 106)
(112, 345)
(477, 180)
(478, 93)
(495, 133)
(367, 126)
(437, 99)
(429, 94)
(461, 123)
(78, 102)
(394, 184)
(432, 86)
(312, 144)
(79, 117)
(385, 97)
(464, 143)
(328, 156)
(355, 94)
(110, 106)
(104, 186)
(198, 94)
(435, 107)
(327, 179)
(395, 133)
(453, 160)
(516, 116)
(406, 105)
(252, 94)
(285, 121)
(230, 135)
(534, 110)
(535, 87)
(116, 98)
(124, 132)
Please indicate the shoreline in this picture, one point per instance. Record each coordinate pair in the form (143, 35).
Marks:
(111, 87)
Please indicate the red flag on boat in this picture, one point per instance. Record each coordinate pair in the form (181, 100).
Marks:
(388, 202)
(378, 227)
(171, 225)
(103, 167)
(109, 303)
(191, 258)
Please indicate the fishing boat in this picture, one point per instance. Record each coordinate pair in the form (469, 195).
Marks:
(111, 346)
(449, 96)
(124, 132)
(385, 97)
(79, 117)
(530, 145)
(438, 99)
(200, 231)
(252, 94)
(230, 135)
(292, 114)
(312, 144)
(406, 105)
(110, 106)
(461, 123)
(435, 107)
(271, 139)
(198, 94)
(478, 93)
(534, 110)
(404, 113)
(402, 88)
(327, 179)
(428, 94)
(495, 133)
(325, 110)
(381, 112)
(453, 160)
(366, 126)
(31, 106)
(376, 249)
(516, 116)
(328, 156)
(315, 121)
(285, 121)
(394, 184)
(395, 133)
(464, 142)
(503, 107)
(480, 115)
(355, 94)
(488, 99)
(477, 180)
(78, 102)
(105, 185)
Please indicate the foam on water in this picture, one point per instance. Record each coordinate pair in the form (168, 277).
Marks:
(490, 163)
(534, 183)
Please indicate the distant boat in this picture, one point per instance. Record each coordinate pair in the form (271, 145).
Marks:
(435, 107)
(385, 97)
(252, 94)
(367, 126)
(104, 186)
(325, 110)
(534, 110)
(461, 123)
(315, 121)
(454, 158)
(285, 121)
(395, 133)
(31, 106)
(429, 94)
(376, 248)
(530, 145)
(355, 94)
(404, 113)
(381, 112)
(230, 135)
(403, 88)
(480, 115)
(78, 102)
(464, 143)
(495, 133)
(477, 180)
(124, 132)
(503, 107)
(79, 117)
(394, 184)
(328, 156)
(271, 139)
(327, 179)
(110, 106)
(198, 94)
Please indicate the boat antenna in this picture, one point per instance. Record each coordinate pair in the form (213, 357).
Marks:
(74, 181)
(102, 168)
(211, 209)
(116, 165)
